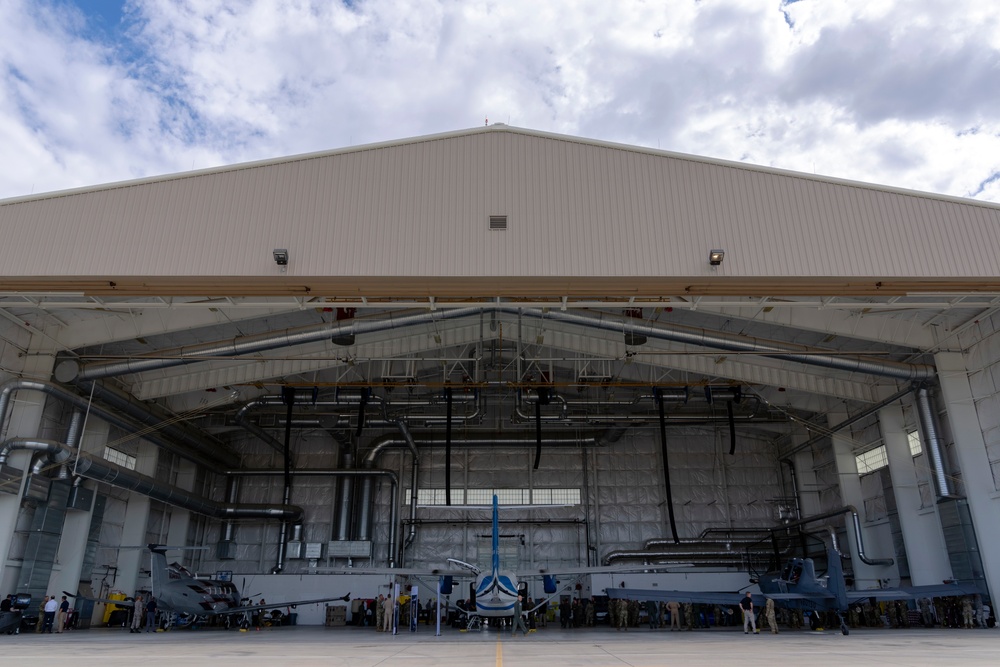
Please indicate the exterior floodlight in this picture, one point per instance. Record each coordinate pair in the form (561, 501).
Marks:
(281, 256)
(715, 257)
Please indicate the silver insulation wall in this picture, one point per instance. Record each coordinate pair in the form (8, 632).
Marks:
(983, 359)
(621, 485)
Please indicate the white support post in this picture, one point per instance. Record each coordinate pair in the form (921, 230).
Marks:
(922, 535)
(23, 421)
(878, 536)
(970, 454)
(131, 561)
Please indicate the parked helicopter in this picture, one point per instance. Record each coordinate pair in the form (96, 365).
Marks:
(182, 595)
(796, 586)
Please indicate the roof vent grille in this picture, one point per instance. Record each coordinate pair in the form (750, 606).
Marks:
(498, 223)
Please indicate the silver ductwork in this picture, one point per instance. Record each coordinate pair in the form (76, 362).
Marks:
(858, 536)
(104, 471)
(414, 476)
(258, 343)
(212, 457)
(70, 370)
(336, 472)
(678, 333)
(342, 529)
(928, 418)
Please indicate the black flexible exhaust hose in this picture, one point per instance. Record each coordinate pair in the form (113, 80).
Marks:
(666, 469)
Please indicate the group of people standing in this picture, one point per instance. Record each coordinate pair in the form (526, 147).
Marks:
(143, 609)
(624, 614)
(50, 611)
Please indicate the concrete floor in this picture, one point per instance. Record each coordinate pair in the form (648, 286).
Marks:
(549, 647)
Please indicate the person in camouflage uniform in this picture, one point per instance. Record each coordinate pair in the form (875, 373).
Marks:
(772, 622)
(623, 615)
(689, 615)
(379, 613)
(633, 613)
(967, 621)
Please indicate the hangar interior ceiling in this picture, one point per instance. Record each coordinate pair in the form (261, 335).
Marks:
(742, 382)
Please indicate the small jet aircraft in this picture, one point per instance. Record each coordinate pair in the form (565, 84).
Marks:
(796, 586)
(184, 596)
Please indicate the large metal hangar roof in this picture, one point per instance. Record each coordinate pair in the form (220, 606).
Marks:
(497, 211)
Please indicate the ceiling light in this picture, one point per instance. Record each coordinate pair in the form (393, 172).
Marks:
(281, 256)
(715, 257)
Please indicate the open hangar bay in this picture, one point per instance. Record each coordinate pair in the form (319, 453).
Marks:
(654, 358)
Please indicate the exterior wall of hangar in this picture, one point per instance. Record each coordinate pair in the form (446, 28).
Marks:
(112, 271)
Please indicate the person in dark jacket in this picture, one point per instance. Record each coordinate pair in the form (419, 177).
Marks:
(151, 614)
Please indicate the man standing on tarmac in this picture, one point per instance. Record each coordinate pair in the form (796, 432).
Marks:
(772, 622)
(518, 619)
(387, 611)
(746, 604)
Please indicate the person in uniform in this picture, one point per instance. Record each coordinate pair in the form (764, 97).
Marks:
(379, 612)
(772, 622)
(136, 614)
(387, 609)
(967, 611)
(623, 615)
(674, 609)
(652, 614)
(518, 619)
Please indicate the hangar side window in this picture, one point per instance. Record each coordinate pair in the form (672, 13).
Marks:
(916, 449)
(119, 457)
(484, 497)
(872, 460)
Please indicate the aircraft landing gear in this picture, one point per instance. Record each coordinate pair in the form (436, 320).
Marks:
(843, 625)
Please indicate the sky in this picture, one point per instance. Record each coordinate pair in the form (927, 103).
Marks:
(903, 93)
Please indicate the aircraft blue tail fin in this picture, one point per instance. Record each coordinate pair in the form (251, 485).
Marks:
(158, 568)
(835, 582)
(496, 534)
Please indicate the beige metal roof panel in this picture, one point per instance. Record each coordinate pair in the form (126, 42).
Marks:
(414, 216)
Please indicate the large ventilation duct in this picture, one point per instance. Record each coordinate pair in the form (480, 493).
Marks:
(259, 343)
(379, 445)
(739, 343)
(69, 369)
(858, 536)
(104, 471)
(336, 472)
(343, 400)
(414, 476)
(211, 456)
(935, 451)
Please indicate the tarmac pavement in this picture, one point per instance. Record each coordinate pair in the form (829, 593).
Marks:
(303, 646)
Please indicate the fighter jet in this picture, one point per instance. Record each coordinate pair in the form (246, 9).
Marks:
(796, 586)
(184, 597)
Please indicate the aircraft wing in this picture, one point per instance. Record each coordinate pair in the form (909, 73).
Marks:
(913, 592)
(128, 602)
(278, 605)
(699, 597)
(610, 569)
(393, 571)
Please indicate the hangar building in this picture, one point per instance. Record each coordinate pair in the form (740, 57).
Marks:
(337, 359)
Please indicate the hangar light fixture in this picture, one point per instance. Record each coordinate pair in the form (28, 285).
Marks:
(280, 256)
(715, 257)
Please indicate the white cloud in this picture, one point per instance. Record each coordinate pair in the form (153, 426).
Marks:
(902, 93)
